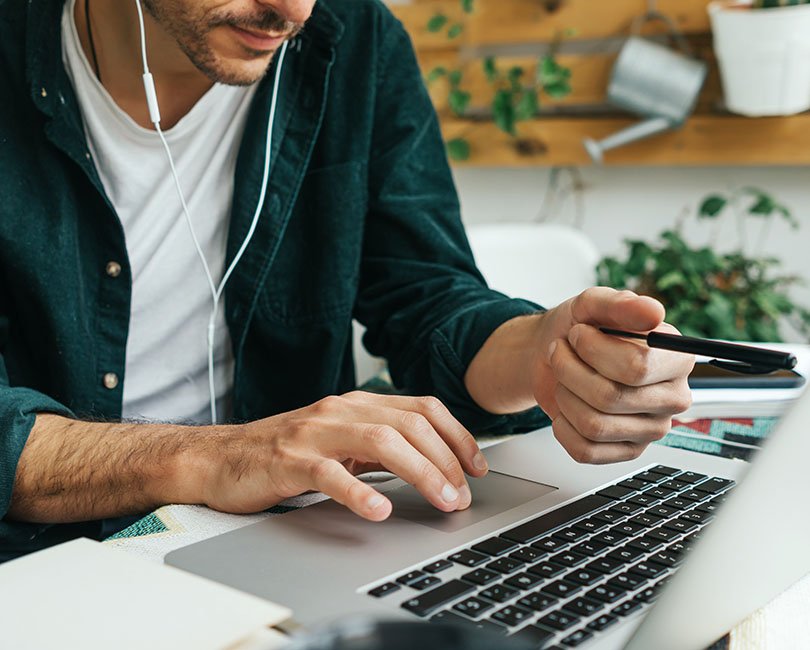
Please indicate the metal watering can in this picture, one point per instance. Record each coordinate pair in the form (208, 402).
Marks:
(658, 83)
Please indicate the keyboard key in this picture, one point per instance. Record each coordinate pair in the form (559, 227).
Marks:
(424, 583)
(662, 511)
(664, 534)
(605, 565)
(584, 607)
(615, 492)
(505, 565)
(646, 520)
(674, 484)
(680, 525)
(410, 577)
(561, 589)
(694, 495)
(585, 577)
(714, 485)
(539, 526)
(511, 615)
(626, 508)
(602, 622)
(437, 566)
(428, 602)
(473, 607)
(384, 590)
(528, 554)
(591, 525)
(645, 544)
(498, 593)
(559, 620)
(481, 576)
(534, 635)
(644, 500)
(650, 477)
(626, 608)
(666, 471)
(589, 548)
(633, 484)
(547, 569)
(454, 619)
(495, 546)
(609, 516)
(709, 507)
(648, 570)
(626, 581)
(523, 581)
(549, 545)
(627, 529)
(691, 477)
(608, 538)
(666, 559)
(468, 558)
(606, 593)
(646, 595)
(569, 558)
(570, 535)
(625, 554)
(577, 638)
(679, 503)
(660, 492)
(538, 601)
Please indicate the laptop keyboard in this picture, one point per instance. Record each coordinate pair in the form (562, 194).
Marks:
(561, 578)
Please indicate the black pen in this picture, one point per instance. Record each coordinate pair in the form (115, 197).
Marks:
(744, 358)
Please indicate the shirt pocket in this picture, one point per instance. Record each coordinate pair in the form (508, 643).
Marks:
(314, 277)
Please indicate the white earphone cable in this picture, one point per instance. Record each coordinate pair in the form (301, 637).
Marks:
(216, 291)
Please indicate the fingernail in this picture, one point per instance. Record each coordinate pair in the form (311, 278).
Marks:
(479, 462)
(551, 349)
(465, 496)
(449, 493)
(375, 501)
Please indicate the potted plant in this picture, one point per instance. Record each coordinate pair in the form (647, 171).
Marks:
(735, 295)
(763, 50)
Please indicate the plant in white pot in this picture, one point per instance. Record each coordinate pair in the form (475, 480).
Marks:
(763, 50)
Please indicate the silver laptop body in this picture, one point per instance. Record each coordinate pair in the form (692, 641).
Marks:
(322, 561)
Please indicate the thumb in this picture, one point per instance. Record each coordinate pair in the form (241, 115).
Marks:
(602, 306)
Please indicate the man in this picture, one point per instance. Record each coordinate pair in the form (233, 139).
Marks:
(104, 303)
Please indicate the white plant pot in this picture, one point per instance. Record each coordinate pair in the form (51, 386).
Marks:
(764, 57)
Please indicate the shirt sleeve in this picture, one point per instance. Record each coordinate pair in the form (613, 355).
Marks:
(426, 306)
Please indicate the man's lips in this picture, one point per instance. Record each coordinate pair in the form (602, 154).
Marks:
(261, 41)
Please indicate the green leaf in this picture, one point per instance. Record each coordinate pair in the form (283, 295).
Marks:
(764, 206)
(455, 30)
(458, 149)
(527, 106)
(436, 23)
(712, 206)
(437, 72)
(467, 6)
(455, 77)
(515, 73)
(458, 101)
(490, 68)
(503, 112)
(548, 70)
(671, 279)
(558, 89)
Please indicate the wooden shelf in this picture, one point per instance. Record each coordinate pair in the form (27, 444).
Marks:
(516, 28)
(704, 140)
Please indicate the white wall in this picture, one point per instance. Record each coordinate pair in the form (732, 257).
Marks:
(640, 202)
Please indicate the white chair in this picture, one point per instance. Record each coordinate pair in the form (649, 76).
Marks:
(541, 262)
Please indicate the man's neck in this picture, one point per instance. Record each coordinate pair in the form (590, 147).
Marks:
(116, 38)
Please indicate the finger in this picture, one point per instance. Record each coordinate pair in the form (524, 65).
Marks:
(583, 450)
(628, 362)
(454, 434)
(608, 396)
(385, 445)
(606, 307)
(419, 431)
(601, 427)
(333, 479)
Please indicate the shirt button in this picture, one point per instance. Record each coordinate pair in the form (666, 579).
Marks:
(111, 381)
(113, 269)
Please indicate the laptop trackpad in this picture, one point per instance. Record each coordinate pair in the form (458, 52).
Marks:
(492, 495)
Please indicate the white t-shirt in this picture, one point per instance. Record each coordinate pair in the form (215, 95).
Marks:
(166, 364)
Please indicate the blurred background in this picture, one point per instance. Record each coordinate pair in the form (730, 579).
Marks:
(673, 134)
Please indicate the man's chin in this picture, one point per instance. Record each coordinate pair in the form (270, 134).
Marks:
(238, 72)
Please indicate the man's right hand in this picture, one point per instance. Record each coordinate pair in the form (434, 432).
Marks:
(322, 447)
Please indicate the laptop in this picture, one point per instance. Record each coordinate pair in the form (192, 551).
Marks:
(668, 551)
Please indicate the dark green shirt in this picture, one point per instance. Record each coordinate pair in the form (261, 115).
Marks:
(361, 220)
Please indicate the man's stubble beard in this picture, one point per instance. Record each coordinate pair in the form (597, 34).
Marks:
(191, 32)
